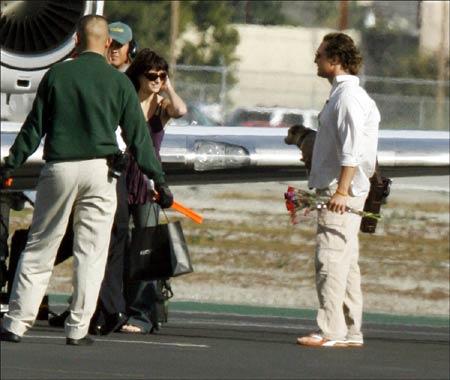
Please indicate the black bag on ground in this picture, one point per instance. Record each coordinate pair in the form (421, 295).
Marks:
(379, 190)
(18, 242)
(158, 252)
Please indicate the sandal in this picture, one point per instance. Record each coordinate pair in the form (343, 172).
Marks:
(317, 340)
(131, 329)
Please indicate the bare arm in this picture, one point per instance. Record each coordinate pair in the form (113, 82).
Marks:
(338, 201)
(175, 105)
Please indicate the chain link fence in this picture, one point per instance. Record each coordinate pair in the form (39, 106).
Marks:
(404, 103)
(409, 103)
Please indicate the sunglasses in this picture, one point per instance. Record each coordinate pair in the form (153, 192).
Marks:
(154, 76)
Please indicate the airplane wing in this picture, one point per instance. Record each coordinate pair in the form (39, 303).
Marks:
(247, 154)
(237, 154)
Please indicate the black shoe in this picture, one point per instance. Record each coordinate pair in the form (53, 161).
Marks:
(58, 320)
(96, 329)
(8, 336)
(114, 322)
(86, 341)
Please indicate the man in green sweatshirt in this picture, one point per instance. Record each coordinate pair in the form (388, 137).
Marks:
(78, 106)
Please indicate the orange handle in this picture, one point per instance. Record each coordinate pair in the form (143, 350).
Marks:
(197, 218)
(8, 182)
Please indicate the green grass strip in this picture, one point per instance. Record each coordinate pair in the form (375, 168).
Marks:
(205, 307)
(304, 313)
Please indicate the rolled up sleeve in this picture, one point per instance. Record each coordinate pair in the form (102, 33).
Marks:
(350, 123)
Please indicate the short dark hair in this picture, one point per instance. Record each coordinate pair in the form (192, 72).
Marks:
(145, 60)
(92, 28)
(341, 46)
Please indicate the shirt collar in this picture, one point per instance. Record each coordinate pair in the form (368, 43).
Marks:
(90, 53)
(342, 79)
(345, 78)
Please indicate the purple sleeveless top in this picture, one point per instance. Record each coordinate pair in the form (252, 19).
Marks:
(135, 179)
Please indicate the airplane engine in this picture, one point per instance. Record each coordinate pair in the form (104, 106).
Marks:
(36, 34)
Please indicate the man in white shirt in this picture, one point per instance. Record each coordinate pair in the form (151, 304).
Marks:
(344, 159)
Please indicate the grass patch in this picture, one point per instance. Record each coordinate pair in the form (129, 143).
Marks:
(406, 258)
(250, 196)
(426, 207)
(414, 247)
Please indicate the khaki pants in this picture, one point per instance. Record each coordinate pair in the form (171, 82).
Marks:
(338, 278)
(86, 187)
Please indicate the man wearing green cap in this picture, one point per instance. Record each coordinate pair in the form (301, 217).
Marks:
(121, 49)
(110, 313)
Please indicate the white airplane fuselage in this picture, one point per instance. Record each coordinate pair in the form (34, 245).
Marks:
(197, 154)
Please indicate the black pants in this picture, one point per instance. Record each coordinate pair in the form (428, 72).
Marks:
(111, 299)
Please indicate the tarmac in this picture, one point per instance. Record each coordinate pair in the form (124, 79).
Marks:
(220, 341)
(212, 341)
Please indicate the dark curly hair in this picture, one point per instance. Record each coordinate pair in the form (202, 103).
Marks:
(341, 46)
(145, 60)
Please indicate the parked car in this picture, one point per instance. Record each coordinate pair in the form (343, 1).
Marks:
(273, 117)
(194, 116)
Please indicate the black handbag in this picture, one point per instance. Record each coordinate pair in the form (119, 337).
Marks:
(380, 188)
(158, 252)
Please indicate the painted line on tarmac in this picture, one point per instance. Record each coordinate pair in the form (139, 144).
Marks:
(183, 345)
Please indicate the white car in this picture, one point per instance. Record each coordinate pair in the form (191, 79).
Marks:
(273, 117)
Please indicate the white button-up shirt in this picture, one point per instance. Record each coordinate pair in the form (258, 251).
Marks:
(347, 136)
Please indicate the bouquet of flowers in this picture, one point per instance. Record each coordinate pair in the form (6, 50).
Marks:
(298, 199)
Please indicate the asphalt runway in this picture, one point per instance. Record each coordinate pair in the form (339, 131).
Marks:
(205, 345)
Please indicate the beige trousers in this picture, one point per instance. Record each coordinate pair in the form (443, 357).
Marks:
(85, 187)
(338, 279)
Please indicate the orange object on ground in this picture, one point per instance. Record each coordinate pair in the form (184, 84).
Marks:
(197, 218)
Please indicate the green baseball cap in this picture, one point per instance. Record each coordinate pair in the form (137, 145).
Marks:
(120, 32)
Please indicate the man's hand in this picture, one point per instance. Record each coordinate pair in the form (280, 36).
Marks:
(5, 177)
(338, 203)
(165, 196)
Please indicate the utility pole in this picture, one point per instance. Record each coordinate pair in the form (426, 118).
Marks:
(442, 73)
(247, 12)
(343, 15)
(174, 27)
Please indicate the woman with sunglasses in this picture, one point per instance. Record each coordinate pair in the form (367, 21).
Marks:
(149, 74)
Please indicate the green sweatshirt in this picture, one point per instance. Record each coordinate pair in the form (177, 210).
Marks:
(78, 106)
